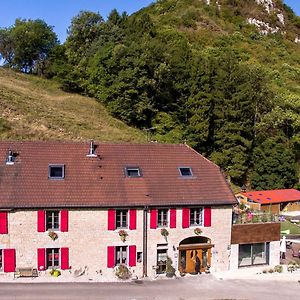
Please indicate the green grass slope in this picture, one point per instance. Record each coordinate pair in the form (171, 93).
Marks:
(33, 108)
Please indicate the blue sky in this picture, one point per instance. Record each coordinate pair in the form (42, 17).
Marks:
(58, 13)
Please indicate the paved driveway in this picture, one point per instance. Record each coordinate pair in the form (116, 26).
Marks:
(196, 287)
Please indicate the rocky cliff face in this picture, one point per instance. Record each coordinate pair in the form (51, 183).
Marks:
(269, 16)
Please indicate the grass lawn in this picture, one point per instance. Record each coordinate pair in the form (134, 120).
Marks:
(33, 108)
(294, 229)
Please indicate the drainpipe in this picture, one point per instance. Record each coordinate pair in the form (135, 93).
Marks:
(145, 254)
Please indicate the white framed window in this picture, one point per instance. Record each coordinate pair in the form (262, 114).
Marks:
(121, 218)
(185, 171)
(121, 255)
(56, 171)
(196, 216)
(161, 258)
(52, 258)
(162, 217)
(133, 172)
(52, 220)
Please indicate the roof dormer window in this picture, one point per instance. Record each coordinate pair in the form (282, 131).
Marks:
(185, 171)
(133, 172)
(56, 172)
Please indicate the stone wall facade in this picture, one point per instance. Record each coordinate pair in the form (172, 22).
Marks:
(88, 238)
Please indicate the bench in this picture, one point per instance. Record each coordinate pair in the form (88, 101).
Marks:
(26, 272)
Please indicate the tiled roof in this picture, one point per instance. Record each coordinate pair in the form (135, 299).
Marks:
(273, 196)
(101, 181)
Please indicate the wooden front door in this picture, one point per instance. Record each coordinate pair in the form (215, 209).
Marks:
(190, 261)
(189, 256)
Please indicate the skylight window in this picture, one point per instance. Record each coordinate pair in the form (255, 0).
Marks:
(56, 172)
(185, 171)
(10, 160)
(133, 172)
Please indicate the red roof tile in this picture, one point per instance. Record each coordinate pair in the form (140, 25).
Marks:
(273, 196)
(101, 181)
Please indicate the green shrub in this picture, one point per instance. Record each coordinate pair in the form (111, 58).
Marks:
(278, 269)
(170, 269)
(122, 272)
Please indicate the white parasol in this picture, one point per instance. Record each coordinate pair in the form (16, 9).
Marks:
(283, 245)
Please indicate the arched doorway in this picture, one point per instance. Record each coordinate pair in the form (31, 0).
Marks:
(193, 251)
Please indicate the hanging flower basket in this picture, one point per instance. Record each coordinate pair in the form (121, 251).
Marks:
(197, 231)
(123, 235)
(53, 235)
(164, 232)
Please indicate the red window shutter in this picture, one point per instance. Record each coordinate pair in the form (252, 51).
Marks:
(64, 260)
(110, 256)
(207, 216)
(132, 256)
(111, 222)
(173, 218)
(153, 218)
(64, 220)
(41, 224)
(41, 257)
(132, 219)
(185, 218)
(9, 260)
(3, 223)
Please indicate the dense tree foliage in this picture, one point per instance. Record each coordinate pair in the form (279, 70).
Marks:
(160, 70)
(274, 165)
(26, 45)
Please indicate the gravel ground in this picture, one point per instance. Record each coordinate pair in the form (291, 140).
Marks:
(188, 288)
(249, 283)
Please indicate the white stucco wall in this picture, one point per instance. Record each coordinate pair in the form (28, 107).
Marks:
(274, 255)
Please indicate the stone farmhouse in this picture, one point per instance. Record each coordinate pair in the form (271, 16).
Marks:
(74, 205)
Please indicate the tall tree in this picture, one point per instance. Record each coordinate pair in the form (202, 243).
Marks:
(6, 46)
(33, 40)
(84, 29)
(223, 105)
(274, 165)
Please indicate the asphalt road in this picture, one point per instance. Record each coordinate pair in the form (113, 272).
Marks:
(197, 287)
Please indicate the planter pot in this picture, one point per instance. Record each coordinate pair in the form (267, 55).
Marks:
(170, 275)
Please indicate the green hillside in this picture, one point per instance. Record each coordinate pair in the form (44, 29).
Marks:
(35, 108)
(225, 23)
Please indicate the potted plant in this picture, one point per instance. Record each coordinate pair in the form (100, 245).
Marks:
(164, 232)
(55, 273)
(123, 235)
(122, 272)
(197, 231)
(170, 270)
(53, 235)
